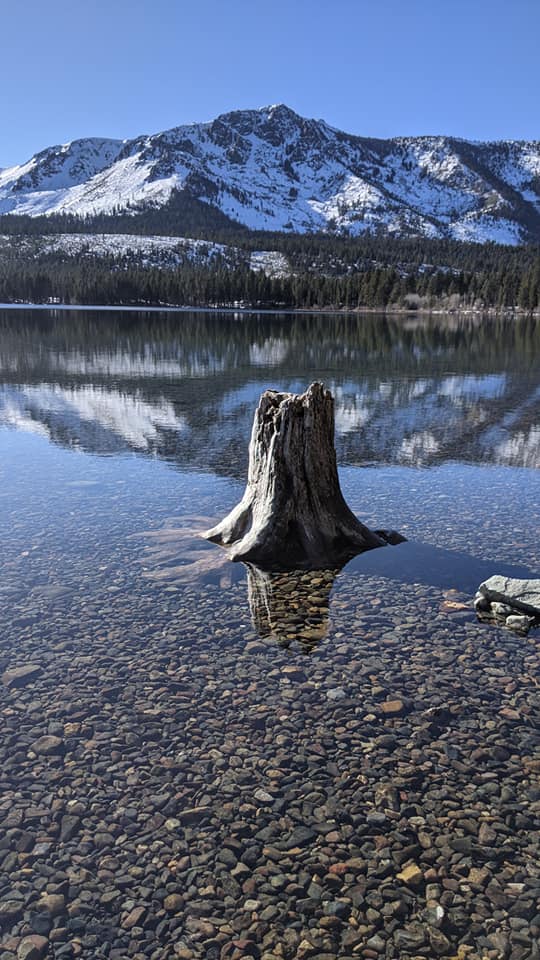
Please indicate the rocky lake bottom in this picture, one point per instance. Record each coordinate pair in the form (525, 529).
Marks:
(352, 774)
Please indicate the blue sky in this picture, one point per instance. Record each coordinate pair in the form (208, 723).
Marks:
(118, 68)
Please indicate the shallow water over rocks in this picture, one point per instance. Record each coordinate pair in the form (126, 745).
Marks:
(205, 763)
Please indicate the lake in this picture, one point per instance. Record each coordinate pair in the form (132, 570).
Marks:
(207, 761)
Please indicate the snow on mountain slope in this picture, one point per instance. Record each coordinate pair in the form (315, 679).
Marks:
(518, 165)
(270, 262)
(151, 251)
(271, 169)
(59, 168)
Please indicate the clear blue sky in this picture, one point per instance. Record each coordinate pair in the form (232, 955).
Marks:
(379, 68)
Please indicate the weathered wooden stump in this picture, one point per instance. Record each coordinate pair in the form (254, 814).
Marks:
(293, 514)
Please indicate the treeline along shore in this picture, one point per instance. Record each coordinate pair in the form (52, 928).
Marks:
(314, 271)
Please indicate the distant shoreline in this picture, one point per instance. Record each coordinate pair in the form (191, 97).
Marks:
(493, 312)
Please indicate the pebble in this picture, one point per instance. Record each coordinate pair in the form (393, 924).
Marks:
(520, 622)
(48, 746)
(134, 918)
(392, 708)
(10, 910)
(53, 903)
(17, 677)
(263, 796)
(411, 875)
(33, 947)
(338, 693)
(174, 903)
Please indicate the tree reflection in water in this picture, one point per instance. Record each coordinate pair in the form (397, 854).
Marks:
(291, 607)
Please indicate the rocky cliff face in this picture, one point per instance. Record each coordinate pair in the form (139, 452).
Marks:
(271, 169)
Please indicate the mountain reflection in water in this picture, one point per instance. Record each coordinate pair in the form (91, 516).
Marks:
(183, 387)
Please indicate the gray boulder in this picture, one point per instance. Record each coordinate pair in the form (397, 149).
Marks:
(514, 602)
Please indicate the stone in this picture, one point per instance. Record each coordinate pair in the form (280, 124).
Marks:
(263, 796)
(338, 869)
(10, 910)
(299, 837)
(411, 875)
(133, 918)
(228, 857)
(305, 949)
(251, 905)
(69, 827)
(337, 693)
(33, 947)
(376, 943)
(486, 834)
(392, 708)
(434, 913)
(52, 903)
(48, 746)
(410, 937)
(520, 622)
(439, 942)
(478, 875)
(183, 952)
(192, 814)
(521, 596)
(173, 903)
(19, 676)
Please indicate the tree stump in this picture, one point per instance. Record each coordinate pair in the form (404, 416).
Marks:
(293, 514)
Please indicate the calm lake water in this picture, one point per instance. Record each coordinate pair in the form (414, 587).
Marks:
(112, 423)
(174, 680)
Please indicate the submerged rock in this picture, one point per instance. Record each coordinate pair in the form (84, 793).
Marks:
(20, 676)
(520, 622)
(514, 602)
(48, 746)
(32, 947)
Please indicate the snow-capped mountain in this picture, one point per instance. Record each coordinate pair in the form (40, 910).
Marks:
(271, 169)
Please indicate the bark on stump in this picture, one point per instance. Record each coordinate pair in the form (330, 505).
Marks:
(293, 514)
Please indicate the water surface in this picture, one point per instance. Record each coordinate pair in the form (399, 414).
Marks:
(179, 681)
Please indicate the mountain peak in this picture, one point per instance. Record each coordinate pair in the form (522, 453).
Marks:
(271, 169)
(281, 110)
(278, 113)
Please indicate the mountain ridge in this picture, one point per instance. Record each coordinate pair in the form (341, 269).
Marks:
(271, 169)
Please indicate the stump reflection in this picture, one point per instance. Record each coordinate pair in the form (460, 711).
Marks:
(291, 607)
